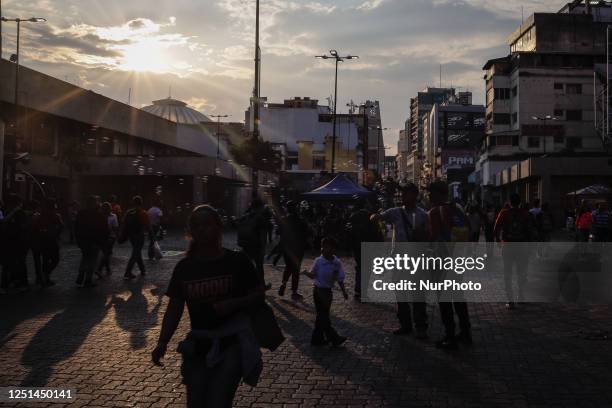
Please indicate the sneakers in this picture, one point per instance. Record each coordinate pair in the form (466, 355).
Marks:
(339, 341)
(402, 331)
(447, 343)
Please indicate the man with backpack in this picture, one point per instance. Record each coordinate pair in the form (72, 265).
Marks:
(252, 234)
(410, 224)
(513, 225)
(135, 227)
(448, 223)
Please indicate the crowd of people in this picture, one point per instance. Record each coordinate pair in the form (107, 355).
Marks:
(37, 227)
(224, 289)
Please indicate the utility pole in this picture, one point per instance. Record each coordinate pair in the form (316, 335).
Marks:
(218, 117)
(255, 99)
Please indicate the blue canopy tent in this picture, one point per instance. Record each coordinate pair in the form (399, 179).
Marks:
(339, 189)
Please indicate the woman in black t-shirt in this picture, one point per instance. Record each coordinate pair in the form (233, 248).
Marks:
(215, 284)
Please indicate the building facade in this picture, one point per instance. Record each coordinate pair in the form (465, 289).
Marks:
(540, 99)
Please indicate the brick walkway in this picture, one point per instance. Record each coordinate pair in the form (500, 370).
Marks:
(98, 340)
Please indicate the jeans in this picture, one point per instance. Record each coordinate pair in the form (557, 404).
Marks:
(448, 317)
(514, 258)
(137, 243)
(107, 253)
(293, 261)
(89, 261)
(405, 315)
(213, 387)
(257, 254)
(323, 329)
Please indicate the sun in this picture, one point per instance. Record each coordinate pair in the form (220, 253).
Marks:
(145, 55)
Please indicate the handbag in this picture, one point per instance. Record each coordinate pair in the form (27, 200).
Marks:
(266, 328)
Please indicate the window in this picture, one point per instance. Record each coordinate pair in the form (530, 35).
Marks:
(501, 118)
(533, 142)
(574, 142)
(573, 89)
(502, 93)
(558, 86)
(504, 140)
(558, 113)
(573, 115)
(514, 92)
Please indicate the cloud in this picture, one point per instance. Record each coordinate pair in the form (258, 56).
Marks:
(205, 49)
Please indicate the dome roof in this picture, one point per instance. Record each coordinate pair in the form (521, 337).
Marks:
(176, 111)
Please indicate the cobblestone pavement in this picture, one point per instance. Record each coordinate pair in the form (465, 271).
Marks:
(98, 340)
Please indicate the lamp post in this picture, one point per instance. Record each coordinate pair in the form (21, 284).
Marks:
(218, 117)
(16, 61)
(544, 119)
(333, 54)
(256, 98)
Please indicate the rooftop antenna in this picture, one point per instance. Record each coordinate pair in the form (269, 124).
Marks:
(522, 15)
(170, 92)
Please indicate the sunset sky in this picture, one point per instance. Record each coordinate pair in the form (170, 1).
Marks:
(203, 49)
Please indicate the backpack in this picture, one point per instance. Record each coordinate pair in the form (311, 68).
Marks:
(515, 228)
(248, 233)
(458, 225)
(133, 224)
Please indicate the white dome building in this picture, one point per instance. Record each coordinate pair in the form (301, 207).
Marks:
(176, 111)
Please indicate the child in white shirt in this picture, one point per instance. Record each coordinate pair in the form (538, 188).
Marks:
(326, 271)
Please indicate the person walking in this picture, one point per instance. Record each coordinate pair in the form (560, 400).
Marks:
(448, 223)
(107, 249)
(16, 243)
(91, 233)
(326, 270)
(252, 235)
(602, 223)
(513, 226)
(47, 227)
(361, 229)
(293, 240)
(135, 227)
(410, 223)
(155, 214)
(219, 287)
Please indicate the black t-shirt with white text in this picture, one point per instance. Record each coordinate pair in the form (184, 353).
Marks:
(201, 283)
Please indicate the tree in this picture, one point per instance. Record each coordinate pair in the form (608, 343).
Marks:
(257, 154)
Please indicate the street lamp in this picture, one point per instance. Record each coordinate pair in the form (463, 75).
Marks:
(218, 117)
(333, 54)
(15, 59)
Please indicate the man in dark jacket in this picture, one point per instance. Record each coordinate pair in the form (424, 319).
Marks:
(294, 234)
(91, 230)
